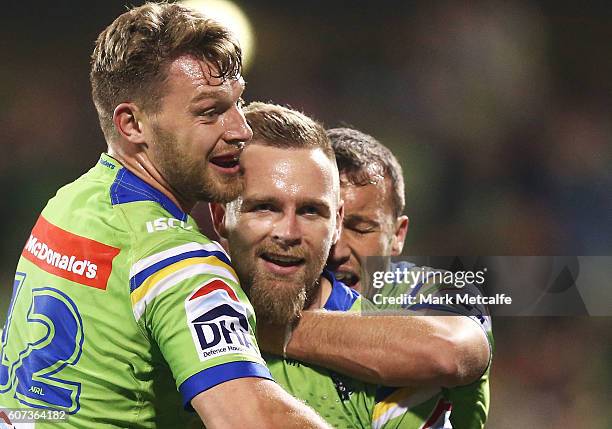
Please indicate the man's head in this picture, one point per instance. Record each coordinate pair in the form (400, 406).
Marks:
(281, 228)
(166, 84)
(372, 188)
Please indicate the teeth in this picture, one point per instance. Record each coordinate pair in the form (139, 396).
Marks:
(282, 259)
(347, 278)
(229, 162)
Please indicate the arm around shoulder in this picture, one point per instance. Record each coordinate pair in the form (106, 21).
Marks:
(391, 350)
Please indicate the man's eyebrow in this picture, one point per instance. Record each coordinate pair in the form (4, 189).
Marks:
(260, 199)
(215, 92)
(257, 199)
(359, 218)
(208, 94)
(313, 202)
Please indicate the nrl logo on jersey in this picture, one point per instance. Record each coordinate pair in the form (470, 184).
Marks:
(219, 321)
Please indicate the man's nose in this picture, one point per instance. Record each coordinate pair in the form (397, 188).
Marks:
(339, 253)
(237, 129)
(287, 231)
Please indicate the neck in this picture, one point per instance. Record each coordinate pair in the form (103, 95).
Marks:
(321, 294)
(141, 165)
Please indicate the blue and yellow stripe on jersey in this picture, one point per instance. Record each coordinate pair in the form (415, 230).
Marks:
(157, 273)
(392, 403)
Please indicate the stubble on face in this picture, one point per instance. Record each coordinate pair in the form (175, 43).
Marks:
(191, 178)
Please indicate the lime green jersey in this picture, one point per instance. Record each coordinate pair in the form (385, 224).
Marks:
(117, 298)
(347, 403)
(464, 407)
(342, 401)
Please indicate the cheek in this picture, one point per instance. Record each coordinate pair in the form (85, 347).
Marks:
(256, 228)
(319, 238)
(247, 233)
(371, 245)
(204, 138)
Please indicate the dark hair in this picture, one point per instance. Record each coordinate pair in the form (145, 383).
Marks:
(130, 59)
(279, 126)
(363, 159)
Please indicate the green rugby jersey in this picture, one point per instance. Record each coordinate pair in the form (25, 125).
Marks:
(464, 407)
(347, 403)
(117, 299)
(342, 401)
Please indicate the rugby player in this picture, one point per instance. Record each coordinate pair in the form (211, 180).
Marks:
(116, 291)
(278, 233)
(372, 188)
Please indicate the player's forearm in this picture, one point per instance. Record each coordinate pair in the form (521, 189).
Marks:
(390, 350)
(288, 412)
(254, 403)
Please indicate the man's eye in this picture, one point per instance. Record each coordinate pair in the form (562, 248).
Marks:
(263, 208)
(361, 229)
(309, 210)
(210, 113)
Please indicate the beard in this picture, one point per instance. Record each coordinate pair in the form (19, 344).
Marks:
(280, 299)
(192, 179)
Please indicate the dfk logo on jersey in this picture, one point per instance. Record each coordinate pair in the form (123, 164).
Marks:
(218, 321)
(222, 324)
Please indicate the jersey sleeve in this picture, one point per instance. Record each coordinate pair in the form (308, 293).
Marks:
(470, 404)
(411, 407)
(188, 300)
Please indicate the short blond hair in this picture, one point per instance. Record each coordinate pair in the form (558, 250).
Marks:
(285, 128)
(130, 58)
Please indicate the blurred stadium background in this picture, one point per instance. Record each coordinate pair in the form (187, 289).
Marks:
(500, 113)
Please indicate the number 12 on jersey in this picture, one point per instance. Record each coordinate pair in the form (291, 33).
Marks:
(35, 349)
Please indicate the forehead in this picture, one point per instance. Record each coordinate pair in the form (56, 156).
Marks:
(370, 198)
(289, 173)
(190, 75)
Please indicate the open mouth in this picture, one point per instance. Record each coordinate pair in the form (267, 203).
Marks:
(282, 260)
(229, 162)
(349, 278)
(282, 264)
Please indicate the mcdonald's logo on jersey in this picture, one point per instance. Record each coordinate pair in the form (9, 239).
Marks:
(70, 256)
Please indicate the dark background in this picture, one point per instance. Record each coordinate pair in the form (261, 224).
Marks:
(500, 113)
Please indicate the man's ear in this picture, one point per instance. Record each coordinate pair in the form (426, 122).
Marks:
(339, 220)
(399, 235)
(127, 118)
(217, 212)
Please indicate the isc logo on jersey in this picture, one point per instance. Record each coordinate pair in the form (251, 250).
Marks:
(164, 223)
(219, 321)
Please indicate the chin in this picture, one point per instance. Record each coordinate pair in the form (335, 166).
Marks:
(277, 300)
(223, 193)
